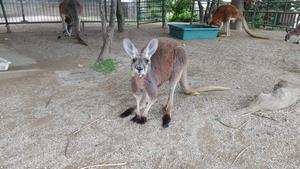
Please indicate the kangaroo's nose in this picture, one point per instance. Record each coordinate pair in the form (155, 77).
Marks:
(139, 68)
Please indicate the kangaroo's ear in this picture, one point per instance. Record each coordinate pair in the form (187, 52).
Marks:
(151, 47)
(129, 48)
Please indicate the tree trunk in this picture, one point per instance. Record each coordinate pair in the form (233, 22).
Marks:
(211, 6)
(207, 7)
(200, 11)
(240, 5)
(107, 31)
(120, 16)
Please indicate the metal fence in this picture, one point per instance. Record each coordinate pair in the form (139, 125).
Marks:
(150, 11)
(47, 11)
(274, 14)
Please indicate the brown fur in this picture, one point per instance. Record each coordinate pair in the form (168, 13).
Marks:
(69, 11)
(295, 32)
(160, 61)
(226, 13)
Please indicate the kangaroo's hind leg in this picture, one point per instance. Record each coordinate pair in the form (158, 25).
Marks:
(179, 66)
(227, 25)
(298, 39)
(65, 25)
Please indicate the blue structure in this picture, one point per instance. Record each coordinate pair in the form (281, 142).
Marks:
(193, 31)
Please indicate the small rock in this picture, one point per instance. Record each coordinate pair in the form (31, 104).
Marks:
(80, 65)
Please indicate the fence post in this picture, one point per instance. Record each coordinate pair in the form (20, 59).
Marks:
(192, 13)
(138, 13)
(163, 14)
(5, 17)
(22, 9)
(253, 18)
(105, 9)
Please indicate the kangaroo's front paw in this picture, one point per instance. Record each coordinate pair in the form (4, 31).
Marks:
(127, 112)
(139, 119)
(166, 120)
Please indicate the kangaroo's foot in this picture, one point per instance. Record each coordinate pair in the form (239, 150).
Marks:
(166, 120)
(127, 112)
(139, 119)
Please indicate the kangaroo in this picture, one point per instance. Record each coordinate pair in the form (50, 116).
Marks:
(69, 11)
(69, 24)
(296, 32)
(161, 60)
(227, 13)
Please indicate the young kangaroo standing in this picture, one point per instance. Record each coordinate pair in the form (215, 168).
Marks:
(227, 13)
(69, 11)
(296, 32)
(161, 60)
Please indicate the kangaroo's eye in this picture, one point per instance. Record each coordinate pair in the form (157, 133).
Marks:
(133, 60)
(146, 60)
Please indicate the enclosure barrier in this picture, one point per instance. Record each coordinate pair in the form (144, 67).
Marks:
(275, 13)
(47, 11)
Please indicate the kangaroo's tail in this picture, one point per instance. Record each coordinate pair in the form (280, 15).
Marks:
(251, 33)
(196, 91)
(74, 14)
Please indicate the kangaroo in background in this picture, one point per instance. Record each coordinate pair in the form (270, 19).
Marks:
(162, 60)
(295, 31)
(227, 13)
(69, 11)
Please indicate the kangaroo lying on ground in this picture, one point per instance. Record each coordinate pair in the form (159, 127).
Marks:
(69, 11)
(296, 32)
(161, 60)
(226, 13)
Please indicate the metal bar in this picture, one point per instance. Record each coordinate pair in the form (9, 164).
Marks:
(22, 9)
(138, 13)
(254, 17)
(5, 17)
(192, 13)
(105, 9)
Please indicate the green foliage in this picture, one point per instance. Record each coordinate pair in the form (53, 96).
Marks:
(179, 10)
(259, 20)
(278, 5)
(155, 11)
(106, 66)
(275, 7)
(182, 17)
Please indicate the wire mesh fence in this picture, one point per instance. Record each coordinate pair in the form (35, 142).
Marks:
(150, 10)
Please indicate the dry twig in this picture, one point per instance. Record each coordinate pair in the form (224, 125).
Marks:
(226, 125)
(105, 165)
(239, 154)
(263, 116)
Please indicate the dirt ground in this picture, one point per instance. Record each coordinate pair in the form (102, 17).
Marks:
(58, 115)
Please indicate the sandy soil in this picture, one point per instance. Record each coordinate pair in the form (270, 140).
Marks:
(63, 116)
